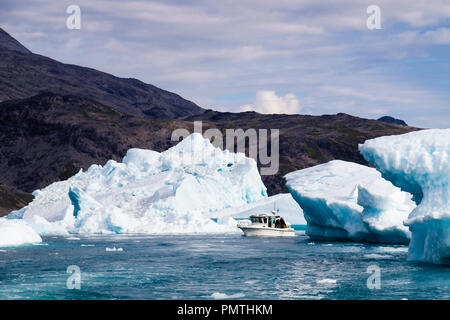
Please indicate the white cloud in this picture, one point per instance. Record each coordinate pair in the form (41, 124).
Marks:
(368, 96)
(268, 102)
(438, 36)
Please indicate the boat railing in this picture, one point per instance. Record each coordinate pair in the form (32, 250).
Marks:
(244, 223)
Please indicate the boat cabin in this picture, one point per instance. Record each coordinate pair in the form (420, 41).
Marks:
(271, 221)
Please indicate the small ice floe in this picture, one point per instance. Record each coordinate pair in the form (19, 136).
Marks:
(114, 249)
(87, 245)
(15, 232)
(73, 238)
(377, 256)
(220, 296)
(393, 249)
(327, 281)
(2, 250)
(40, 244)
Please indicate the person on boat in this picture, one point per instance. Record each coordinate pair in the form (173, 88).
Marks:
(277, 223)
(283, 223)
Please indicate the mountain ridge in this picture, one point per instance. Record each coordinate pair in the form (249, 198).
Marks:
(393, 120)
(9, 43)
(54, 123)
(26, 74)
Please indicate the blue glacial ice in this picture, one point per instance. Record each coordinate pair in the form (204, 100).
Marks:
(419, 163)
(176, 191)
(347, 201)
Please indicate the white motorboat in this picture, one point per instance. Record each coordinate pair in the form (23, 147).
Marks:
(265, 225)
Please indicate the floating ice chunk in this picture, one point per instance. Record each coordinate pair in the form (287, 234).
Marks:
(15, 232)
(376, 256)
(114, 249)
(221, 296)
(327, 281)
(347, 201)
(176, 191)
(419, 162)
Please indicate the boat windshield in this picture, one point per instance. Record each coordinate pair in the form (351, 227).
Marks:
(259, 219)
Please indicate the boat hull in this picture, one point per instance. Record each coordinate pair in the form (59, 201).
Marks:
(267, 232)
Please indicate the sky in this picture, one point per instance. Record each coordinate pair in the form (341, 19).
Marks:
(285, 56)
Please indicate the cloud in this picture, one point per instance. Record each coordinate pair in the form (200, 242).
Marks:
(359, 94)
(439, 36)
(268, 102)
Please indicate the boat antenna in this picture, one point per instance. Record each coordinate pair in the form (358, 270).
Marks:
(274, 211)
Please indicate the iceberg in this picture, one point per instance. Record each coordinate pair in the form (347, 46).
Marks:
(419, 163)
(176, 191)
(351, 202)
(16, 233)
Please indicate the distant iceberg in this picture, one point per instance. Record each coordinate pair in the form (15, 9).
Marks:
(176, 191)
(16, 233)
(419, 163)
(347, 201)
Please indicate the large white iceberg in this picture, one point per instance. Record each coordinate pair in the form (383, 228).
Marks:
(419, 162)
(347, 201)
(176, 191)
(16, 233)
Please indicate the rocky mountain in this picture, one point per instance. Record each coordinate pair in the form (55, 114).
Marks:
(49, 137)
(389, 119)
(57, 118)
(9, 43)
(12, 199)
(24, 74)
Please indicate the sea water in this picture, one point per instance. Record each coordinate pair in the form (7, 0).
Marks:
(226, 266)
